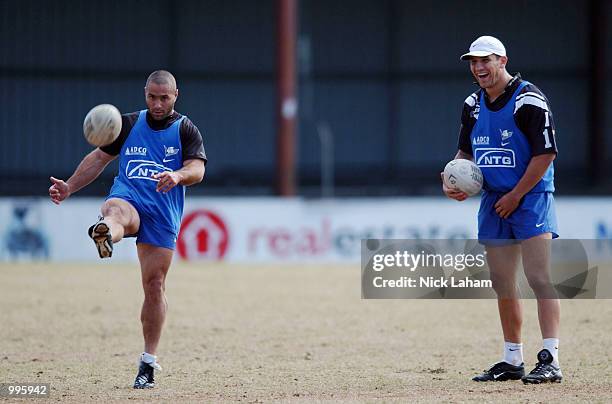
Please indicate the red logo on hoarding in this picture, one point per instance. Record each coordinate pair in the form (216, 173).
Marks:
(203, 235)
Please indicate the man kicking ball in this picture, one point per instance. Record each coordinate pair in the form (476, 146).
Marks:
(160, 153)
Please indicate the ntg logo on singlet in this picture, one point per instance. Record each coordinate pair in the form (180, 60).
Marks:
(494, 157)
(143, 169)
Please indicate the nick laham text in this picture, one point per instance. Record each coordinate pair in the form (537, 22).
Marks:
(431, 282)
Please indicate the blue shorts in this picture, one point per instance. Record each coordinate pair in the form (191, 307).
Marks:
(151, 230)
(535, 215)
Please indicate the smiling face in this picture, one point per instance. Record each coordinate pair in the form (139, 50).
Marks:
(488, 71)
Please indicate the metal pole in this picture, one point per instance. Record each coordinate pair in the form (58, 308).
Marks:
(287, 104)
(596, 158)
(393, 88)
(327, 159)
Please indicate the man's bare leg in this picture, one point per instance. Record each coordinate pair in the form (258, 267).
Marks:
(503, 264)
(121, 217)
(154, 263)
(536, 263)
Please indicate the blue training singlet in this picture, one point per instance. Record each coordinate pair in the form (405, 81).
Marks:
(502, 151)
(144, 153)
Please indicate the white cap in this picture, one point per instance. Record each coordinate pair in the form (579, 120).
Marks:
(485, 46)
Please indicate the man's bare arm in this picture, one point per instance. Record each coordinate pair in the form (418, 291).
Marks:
(88, 170)
(191, 173)
(533, 174)
(463, 155)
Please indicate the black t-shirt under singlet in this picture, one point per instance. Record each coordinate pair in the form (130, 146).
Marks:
(192, 144)
(532, 116)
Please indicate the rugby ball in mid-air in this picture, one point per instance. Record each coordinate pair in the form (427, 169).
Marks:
(463, 175)
(102, 125)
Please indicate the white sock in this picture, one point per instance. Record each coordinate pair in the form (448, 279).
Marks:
(513, 353)
(151, 360)
(148, 358)
(552, 345)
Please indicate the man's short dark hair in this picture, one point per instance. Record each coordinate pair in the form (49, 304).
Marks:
(162, 77)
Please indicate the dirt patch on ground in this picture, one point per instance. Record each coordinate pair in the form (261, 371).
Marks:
(290, 333)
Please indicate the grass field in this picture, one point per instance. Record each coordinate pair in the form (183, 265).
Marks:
(290, 333)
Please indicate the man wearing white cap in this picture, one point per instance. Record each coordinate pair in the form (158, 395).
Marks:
(507, 129)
